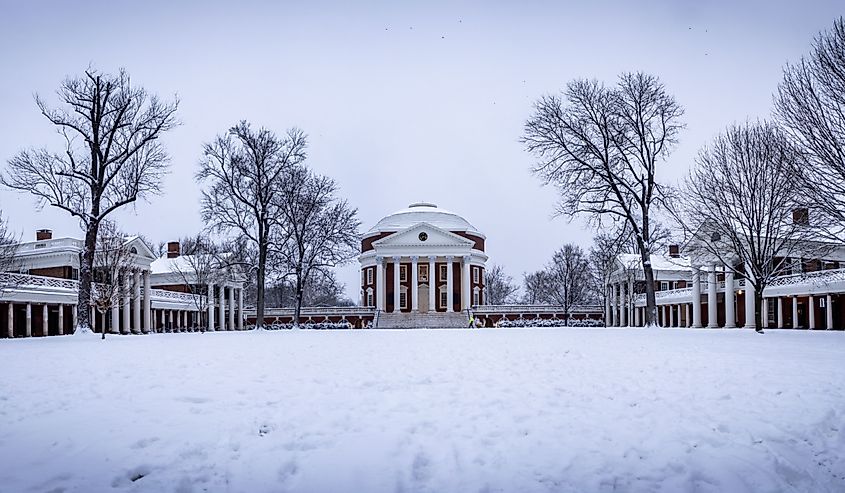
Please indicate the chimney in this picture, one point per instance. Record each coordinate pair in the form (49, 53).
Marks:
(172, 249)
(801, 215)
(44, 234)
(674, 251)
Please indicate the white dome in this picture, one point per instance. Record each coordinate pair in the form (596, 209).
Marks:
(423, 212)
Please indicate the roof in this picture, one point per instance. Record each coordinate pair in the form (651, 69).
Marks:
(423, 212)
(658, 262)
(164, 265)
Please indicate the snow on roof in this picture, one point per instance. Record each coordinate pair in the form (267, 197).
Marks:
(423, 212)
(164, 265)
(658, 262)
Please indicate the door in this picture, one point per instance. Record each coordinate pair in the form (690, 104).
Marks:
(422, 296)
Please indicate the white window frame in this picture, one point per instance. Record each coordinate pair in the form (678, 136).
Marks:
(444, 271)
(370, 297)
(423, 272)
(476, 275)
(369, 275)
(664, 285)
(443, 296)
(403, 273)
(476, 297)
(403, 298)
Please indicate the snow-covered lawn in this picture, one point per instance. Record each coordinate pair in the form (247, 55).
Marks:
(442, 411)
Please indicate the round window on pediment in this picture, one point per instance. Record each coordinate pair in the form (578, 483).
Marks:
(423, 236)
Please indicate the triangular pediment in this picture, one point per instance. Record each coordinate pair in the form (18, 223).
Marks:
(413, 236)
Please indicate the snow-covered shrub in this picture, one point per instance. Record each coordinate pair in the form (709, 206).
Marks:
(553, 322)
(315, 326)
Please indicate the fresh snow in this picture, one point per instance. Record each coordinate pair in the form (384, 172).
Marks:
(512, 410)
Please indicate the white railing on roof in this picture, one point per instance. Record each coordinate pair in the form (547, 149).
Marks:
(481, 309)
(172, 295)
(48, 245)
(9, 279)
(315, 310)
(816, 277)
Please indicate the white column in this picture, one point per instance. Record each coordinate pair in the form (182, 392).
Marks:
(10, 327)
(74, 315)
(622, 310)
(614, 319)
(221, 307)
(136, 302)
(730, 299)
(636, 316)
(45, 320)
(210, 301)
(780, 312)
(241, 308)
(148, 316)
(712, 308)
(607, 305)
(794, 312)
(61, 319)
(765, 313)
(396, 284)
(127, 306)
(811, 303)
(231, 308)
(449, 283)
(415, 303)
(170, 321)
(466, 302)
(29, 320)
(381, 284)
(671, 315)
(631, 306)
(750, 305)
(696, 297)
(115, 318)
(687, 321)
(432, 284)
(828, 305)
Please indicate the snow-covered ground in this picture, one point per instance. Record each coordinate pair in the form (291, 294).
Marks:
(442, 411)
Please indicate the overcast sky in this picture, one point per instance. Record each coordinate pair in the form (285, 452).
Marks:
(401, 103)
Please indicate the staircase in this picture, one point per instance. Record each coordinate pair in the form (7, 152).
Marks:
(430, 320)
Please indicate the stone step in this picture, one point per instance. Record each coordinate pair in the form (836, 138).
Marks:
(435, 320)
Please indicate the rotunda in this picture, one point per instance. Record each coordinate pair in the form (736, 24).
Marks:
(422, 259)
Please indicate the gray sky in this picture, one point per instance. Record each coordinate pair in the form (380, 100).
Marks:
(402, 103)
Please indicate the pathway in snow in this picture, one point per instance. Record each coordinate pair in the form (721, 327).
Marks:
(440, 411)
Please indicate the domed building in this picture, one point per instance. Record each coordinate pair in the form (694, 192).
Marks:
(422, 259)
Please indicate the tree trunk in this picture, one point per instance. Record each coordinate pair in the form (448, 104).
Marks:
(651, 303)
(758, 307)
(259, 297)
(298, 301)
(86, 270)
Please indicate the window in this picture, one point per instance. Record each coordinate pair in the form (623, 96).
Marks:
(403, 273)
(370, 275)
(423, 273)
(370, 297)
(443, 272)
(797, 266)
(475, 275)
(476, 297)
(444, 300)
(664, 285)
(403, 300)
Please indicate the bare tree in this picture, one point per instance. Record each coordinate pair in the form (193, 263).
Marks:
(601, 146)
(199, 267)
(742, 207)
(535, 287)
(111, 157)
(113, 262)
(567, 278)
(246, 169)
(810, 103)
(8, 252)
(499, 286)
(319, 231)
